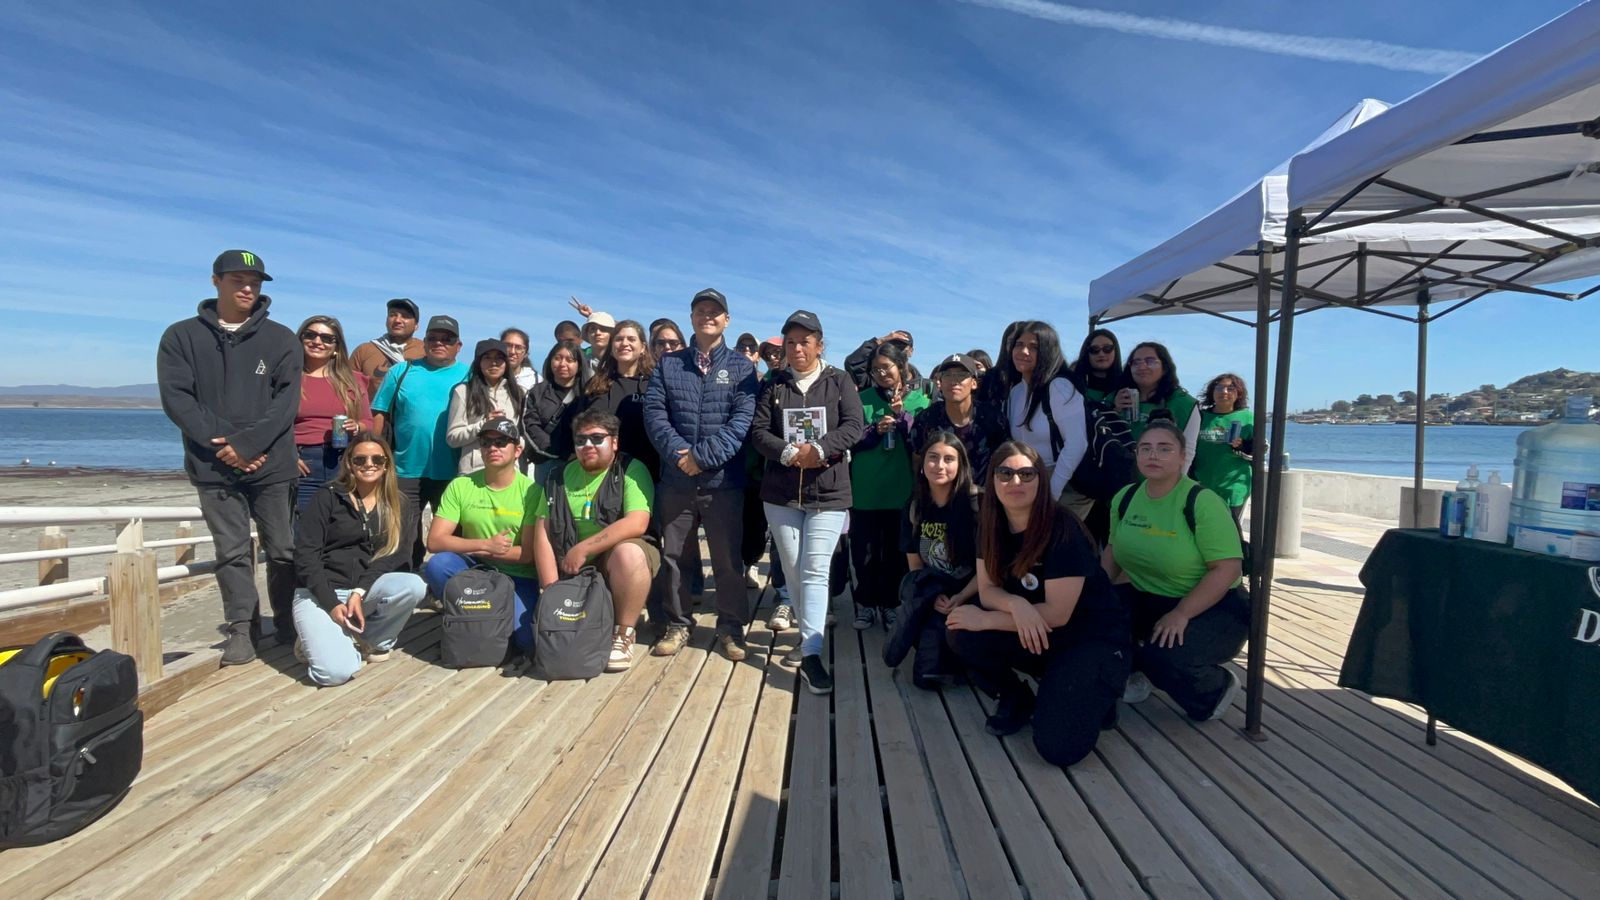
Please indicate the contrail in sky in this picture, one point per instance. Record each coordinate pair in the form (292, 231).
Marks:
(1344, 50)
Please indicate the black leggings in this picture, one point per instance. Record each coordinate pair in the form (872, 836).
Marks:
(875, 555)
(1080, 683)
(1190, 673)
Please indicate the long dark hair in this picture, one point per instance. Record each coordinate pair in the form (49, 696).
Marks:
(993, 524)
(582, 376)
(960, 541)
(602, 380)
(1169, 372)
(1107, 381)
(1047, 367)
(478, 402)
(1241, 400)
(896, 354)
(526, 362)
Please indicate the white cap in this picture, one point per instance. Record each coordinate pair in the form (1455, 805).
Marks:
(602, 319)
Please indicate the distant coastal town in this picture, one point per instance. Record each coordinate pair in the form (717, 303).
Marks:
(1530, 400)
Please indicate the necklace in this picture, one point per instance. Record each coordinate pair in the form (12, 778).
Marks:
(588, 497)
(367, 521)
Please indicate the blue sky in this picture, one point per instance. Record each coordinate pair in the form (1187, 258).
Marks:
(940, 165)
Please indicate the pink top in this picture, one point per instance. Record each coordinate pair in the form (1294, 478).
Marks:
(319, 403)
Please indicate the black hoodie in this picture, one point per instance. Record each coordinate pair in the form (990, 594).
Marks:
(242, 385)
(334, 545)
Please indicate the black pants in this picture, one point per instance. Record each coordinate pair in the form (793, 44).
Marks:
(422, 491)
(228, 512)
(680, 509)
(875, 555)
(753, 539)
(1190, 673)
(1080, 683)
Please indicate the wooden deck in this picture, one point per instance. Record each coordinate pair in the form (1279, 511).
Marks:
(691, 777)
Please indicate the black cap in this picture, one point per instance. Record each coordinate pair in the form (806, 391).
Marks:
(747, 340)
(909, 342)
(488, 345)
(805, 319)
(239, 261)
(712, 294)
(444, 323)
(404, 303)
(958, 359)
(501, 425)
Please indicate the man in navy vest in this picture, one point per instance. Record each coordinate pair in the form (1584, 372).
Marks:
(697, 411)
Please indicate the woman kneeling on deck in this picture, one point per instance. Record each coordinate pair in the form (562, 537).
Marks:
(1175, 551)
(1045, 607)
(348, 557)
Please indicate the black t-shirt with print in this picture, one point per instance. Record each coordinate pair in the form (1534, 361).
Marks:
(1100, 614)
(938, 539)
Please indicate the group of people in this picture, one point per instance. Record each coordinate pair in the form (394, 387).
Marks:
(950, 496)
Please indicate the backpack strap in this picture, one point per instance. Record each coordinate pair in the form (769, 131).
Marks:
(1188, 504)
(1127, 499)
(1056, 440)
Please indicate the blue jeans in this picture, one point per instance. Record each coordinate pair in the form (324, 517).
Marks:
(441, 567)
(331, 658)
(323, 461)
(805, 540)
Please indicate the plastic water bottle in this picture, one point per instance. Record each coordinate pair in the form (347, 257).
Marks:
(1468, 489)
(1555, 503)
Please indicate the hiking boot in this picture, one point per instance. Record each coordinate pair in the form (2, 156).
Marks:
(1228, 694)
(1138, 689)
(672, 640)
(731, 647)
(621, 658)
(238, 650)
(815, 675)
(782, 618)
(1014, 711)
(865, 617)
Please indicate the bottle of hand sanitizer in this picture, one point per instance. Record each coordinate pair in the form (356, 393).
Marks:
(1494, 510)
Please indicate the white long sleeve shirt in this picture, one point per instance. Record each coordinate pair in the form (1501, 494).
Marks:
(1066, 407)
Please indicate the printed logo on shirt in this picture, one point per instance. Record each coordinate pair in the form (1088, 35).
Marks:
(261, 367)
(1137, 521)
(722, 377)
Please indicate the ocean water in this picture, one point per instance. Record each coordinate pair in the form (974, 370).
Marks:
(145, 439)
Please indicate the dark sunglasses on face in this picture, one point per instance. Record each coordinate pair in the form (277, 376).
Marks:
(495, 441)
(376, 461)
(1026, 474)
(1102, 349)
(746, 349)
(592, 439)
(440, 339)
(319, 337)
(668, 344)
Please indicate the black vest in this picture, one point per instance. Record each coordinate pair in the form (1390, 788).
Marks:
(607, 504)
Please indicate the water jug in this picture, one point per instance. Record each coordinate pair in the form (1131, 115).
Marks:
(1555, 504)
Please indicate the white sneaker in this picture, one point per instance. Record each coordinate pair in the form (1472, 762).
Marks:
(865, 617)
(752, 577)
(1228, 695)
(782, 618)
(1138, 689)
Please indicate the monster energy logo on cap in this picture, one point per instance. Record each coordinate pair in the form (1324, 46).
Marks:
(239, 261)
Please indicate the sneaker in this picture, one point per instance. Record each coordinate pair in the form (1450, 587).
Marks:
(300, 651)
(793, 657)
(815, 675)
(865, 616)
(370, 653)
(1014, 711)
(890, 616)
(1138, 689)
(621, 658)
(238, 650)
(1228, 694)
(782, 618)
(752, 577)
(731, 647)
(672, 640)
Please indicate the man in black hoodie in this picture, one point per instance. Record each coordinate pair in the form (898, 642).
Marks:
(230, 381)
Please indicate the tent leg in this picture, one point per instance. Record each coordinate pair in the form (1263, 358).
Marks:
(1422, 400)
(1258, 502)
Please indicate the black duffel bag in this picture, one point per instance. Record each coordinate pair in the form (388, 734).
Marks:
(71, 737)
(572, 627)
(479, 616)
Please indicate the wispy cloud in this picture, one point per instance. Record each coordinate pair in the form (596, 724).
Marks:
(1329, 49)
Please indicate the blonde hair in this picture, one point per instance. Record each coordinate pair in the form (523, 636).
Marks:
(390, 508)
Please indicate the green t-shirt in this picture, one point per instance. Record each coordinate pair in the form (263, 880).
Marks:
(1216, 464)
(480, 512)
(880, 476)
(1153, 544)
(638, 492)
(1181, 404)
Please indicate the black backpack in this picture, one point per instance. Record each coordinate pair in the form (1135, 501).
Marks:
(479, 616)
(71, 737)
(1108, 464)
(572, 627)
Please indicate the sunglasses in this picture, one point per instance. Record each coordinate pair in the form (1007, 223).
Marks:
(376, 461)
(1026, 474)
(440, 339)
(495, 442)
(1103, 348)
(592, 439)
(320, 337)
(747, 348)
(666, 344)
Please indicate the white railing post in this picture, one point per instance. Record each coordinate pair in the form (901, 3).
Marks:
(133, 593)
(54, 569)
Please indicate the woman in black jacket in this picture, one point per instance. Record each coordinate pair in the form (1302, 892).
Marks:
(548, 410)
(352, 542)
(807, 417)
(618, 388)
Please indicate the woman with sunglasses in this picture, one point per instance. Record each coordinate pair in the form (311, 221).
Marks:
(1227, 438)
(1175, 555)
(1099, 366)
(548, 409)
(1045, 607)
(881, 482)
(351, 547)
(665, 337)
(1152, 377)
(329, 387)
(1044, 406)
(490, 392)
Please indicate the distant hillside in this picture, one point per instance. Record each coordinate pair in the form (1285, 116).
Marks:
(126, 391)
(1531, 398)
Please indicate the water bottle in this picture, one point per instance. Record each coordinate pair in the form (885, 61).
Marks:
(1467, 489)
(888, 439)
(1555, 502)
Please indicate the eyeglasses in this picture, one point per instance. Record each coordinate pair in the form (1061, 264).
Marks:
(1157, 450)
(320, 337)
(376, 461)
(592, 439)
(1026, 474)
(515, 348)
(495, 442)
(667, 344)
(440, 339)
(1102, 349)
(1144, 362)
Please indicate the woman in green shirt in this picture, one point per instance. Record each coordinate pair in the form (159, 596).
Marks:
(1176, 560)
(881, 482)
(1154, 379)
(1227, 437)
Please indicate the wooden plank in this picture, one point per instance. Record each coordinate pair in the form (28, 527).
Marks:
(747, 854)
(52, 570)
(182, 676)
(689, 857)
(1040, 864)
(806, 869)
(925, 862)
(863, 843)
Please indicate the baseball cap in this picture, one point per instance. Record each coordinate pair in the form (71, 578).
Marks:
(488, 345)
(239, 261)
(774, 341)
(747, 340)
(958, 359)
(404, 304)
(712, 294)
(909, 342)
(444, 323)
(805, 319)
(501, 425)
(602, 319)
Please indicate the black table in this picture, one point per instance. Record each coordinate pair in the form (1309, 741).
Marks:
(1501, 643)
